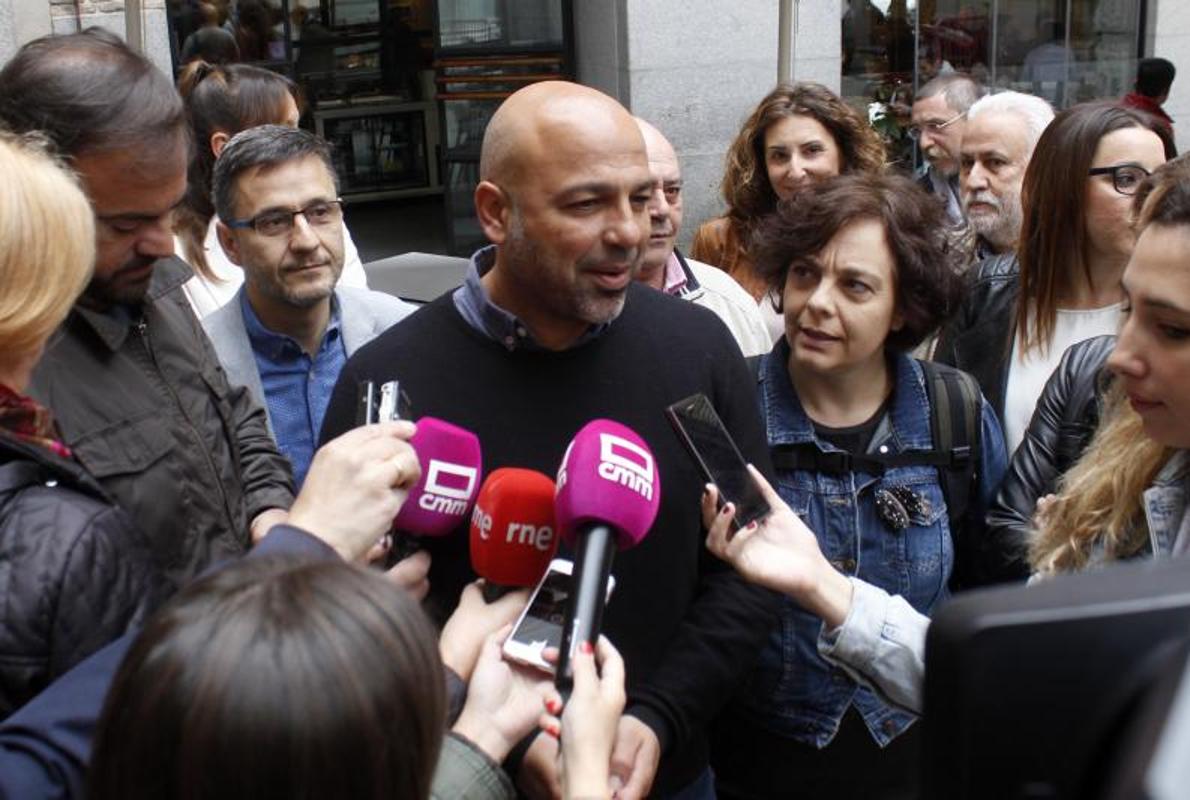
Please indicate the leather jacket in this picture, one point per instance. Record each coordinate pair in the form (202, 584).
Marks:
(1063, 423)
(979, 338)
(75, 573)
(140, 398)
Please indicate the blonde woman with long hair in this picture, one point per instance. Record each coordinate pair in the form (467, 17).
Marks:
(1125, 498)
(77, 574)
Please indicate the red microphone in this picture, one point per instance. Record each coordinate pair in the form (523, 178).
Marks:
(513, 534)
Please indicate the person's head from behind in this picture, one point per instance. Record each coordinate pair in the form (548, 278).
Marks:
(121, 126)
(800, 133)
(1076, 197)
(861, 266)
(276, 678)
(939, 118)
(1154, 76)
(1099, 510)
(47, 249)
(665, 206)
(280, 219)
(563, 193)
(1002, 130)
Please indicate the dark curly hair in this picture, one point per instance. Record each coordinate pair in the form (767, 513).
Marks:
(746, 187)
(928, 285)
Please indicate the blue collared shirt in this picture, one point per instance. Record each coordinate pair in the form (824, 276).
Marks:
(297, 388)
(476, 307)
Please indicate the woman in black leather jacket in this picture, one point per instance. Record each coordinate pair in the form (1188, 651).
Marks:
(74, 574)
(1021, 315)
(1063, 423)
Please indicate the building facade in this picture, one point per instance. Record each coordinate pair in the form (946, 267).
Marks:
(696, 68)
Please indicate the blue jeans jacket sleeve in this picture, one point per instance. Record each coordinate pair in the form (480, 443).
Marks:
(881, 644)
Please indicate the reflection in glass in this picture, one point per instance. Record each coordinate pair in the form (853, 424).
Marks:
(1067, 51)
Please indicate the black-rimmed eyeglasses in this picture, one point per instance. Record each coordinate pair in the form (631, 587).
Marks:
(1125, 178)
(914, 131)
(278, 222)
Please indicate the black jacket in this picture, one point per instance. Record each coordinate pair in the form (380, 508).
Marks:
(979, 338)
(1066, 417)
(148, 411)
(74, 573)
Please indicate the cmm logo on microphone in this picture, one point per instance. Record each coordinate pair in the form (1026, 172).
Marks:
(448, 488)
(626, 463)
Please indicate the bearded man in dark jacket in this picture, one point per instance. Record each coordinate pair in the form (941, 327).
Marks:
(136, 387)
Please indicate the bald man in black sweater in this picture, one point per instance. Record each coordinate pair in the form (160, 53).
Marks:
(550, 331)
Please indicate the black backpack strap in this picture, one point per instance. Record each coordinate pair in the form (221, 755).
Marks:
(956, 422)
(807, 457)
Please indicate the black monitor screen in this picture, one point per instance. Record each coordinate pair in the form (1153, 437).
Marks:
(1026, 687)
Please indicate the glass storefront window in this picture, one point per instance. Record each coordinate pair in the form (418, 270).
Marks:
(1067, 51)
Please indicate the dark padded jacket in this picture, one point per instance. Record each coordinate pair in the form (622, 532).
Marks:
(148, 411)
(979, 338)
(1063, 423)
(74, 573)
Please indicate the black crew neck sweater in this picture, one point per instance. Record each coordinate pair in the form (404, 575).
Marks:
(687, 625)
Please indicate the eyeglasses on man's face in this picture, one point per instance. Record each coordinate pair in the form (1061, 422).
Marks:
(915, 131)
(1125, 178)
(280, 222)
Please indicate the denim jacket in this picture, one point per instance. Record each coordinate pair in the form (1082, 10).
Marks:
(795, 692)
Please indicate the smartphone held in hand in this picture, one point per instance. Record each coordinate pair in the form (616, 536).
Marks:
(540, 624)
(717, 456)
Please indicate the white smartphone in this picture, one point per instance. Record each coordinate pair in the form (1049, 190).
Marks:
(540, 624)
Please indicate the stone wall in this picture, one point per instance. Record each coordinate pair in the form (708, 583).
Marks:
(1170, 38)
(696, 70)
(23, 20)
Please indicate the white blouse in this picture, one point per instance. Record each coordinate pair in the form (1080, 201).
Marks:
(1028, 372)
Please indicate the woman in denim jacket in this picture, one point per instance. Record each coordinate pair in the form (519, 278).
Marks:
(863, 276)
(1127, 497)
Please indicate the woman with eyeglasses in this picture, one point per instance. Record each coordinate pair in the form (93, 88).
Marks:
(801, 133)
(1063, 284)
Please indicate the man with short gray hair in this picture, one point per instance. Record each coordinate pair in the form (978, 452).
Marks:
(1002, 130)
(939, 119)
(288, 331)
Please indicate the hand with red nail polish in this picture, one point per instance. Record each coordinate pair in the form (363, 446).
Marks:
(780, 553)
(591, 720)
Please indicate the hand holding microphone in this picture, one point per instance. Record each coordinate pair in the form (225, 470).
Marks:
(450, 462)
(356, 485)
(512, 542)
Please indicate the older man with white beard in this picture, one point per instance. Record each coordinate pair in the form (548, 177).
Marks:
(1002, 130)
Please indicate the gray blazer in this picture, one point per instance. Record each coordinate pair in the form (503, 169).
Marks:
(363, 314)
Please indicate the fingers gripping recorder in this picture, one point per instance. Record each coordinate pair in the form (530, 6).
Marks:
(451, 463)
(513, 535)
(609, 492)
